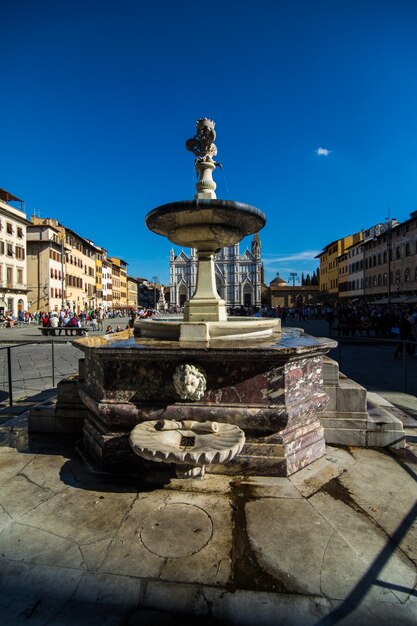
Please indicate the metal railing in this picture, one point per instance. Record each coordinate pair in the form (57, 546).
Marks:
(9, 364)
(28, 373)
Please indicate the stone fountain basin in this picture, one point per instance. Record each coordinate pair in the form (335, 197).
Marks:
(234, 329)
(187, 443)
(205, 223)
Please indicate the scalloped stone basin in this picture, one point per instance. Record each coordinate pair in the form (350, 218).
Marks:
(205, 223)
(187, 442)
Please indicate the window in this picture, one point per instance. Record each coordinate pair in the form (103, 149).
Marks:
(9, 249)
(398, 277)
(20, 253)
(20, 232)
(407, 249)
(398, 253)
(9, 228)
(1, 247)
(407, 275)
(20, 276)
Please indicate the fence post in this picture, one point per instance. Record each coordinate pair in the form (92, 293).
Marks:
(9, 373)
(53, 362)
(340, 352)
(405, 352)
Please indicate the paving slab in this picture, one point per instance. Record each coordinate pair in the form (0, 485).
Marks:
(335, 543)
(176, 536)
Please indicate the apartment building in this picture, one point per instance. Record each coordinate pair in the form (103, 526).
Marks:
(119, 282)
(132, 292)
(45, 265)
(13, 278)
(391, 262)
(80, 275)
(107, 281)
(330, 257)
(356, 271)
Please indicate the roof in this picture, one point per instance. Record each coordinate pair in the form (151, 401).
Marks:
(6, 196)
(279, 280)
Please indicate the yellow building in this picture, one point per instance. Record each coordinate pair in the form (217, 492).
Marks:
(132, 292)
(330, 260)
(119, 283)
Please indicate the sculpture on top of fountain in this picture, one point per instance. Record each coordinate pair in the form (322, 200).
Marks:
(203, 147)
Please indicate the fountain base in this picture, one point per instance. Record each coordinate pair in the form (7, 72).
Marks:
(271, 390)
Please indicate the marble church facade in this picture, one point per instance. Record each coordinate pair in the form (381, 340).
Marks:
(238, 276)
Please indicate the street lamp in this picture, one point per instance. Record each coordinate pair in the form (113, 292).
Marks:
(62, 237)
(388, 223)
(155, 279)
(293, 275)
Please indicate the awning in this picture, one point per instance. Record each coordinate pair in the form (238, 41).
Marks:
(8, 197)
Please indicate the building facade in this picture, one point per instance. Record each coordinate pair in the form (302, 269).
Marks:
(239, 277)
(332, 255)
(45, 265)
(13, 277)
(132, 292)
(119, 283)
(380, 267)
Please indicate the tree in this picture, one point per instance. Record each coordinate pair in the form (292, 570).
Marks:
(302, 279)
(308, 280)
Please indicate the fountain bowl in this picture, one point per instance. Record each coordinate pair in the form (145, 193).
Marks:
(189, 443)
(205, 223)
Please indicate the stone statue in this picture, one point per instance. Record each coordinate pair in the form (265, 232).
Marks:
(203, 147)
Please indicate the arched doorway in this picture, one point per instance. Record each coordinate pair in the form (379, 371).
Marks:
(182, 295)
(247, 295)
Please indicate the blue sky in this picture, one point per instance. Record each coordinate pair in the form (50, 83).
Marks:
(98, 98)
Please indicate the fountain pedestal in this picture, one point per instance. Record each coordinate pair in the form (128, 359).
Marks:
(206, 305)
(273, 391)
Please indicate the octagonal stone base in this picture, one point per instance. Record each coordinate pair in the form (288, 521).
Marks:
(272, 390)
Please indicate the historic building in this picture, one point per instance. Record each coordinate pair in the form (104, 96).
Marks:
(332, 255)
(13, 285)
(378, 265)
(45, 265)
(239, 277)
(119, 282)
(283, 295)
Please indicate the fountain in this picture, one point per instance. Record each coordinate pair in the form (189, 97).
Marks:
(237, 395)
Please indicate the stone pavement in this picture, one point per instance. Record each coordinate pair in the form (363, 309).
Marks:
(333, 544)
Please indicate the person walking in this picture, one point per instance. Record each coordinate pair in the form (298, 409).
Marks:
(406, 334)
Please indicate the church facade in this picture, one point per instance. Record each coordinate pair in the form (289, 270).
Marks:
(239, 277)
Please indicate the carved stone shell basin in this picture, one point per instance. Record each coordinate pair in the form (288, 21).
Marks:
(169, 445)
(196, 223)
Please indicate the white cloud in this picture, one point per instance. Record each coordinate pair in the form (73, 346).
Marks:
(306, 255)
(322, 152)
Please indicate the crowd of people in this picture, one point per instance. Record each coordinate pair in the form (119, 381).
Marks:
(93, 319)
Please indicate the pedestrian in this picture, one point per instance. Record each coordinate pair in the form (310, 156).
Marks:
(406, 334)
